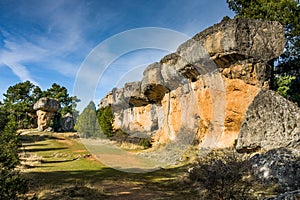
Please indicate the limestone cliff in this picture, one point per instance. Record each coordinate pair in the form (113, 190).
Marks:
(204, 88)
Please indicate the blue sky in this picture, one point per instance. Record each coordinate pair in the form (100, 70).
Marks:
(46, 41)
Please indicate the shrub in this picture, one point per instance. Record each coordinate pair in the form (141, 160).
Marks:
(11, 183)
(222, 176)
(145, 142)
(106, 119)
(120, 135)
(287, 86)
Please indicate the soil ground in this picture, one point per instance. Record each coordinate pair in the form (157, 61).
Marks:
(59, 166)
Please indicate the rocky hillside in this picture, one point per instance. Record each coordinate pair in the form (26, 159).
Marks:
(206, 87)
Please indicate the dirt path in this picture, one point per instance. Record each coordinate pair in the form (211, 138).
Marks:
(113, 156)
(65, 169)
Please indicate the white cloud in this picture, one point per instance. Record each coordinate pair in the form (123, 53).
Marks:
(21, 72)
(59, 48)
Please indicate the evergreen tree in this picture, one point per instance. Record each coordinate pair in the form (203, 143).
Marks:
(11, 183)
(3, 117)
(87, 124)
(19, 100)
(68, 103)
(106, 119)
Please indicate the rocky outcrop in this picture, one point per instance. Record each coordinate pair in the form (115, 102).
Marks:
(47, 104)
(293, 195)
(67, 123)
(204, 88)
(45, 107)
(278, 166)
(270, 122)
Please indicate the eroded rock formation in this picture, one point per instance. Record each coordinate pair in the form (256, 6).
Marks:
(67, 122)
(270, 122)
(204, 88)
(45, 107)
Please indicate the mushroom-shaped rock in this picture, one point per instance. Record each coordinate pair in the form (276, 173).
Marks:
(45, 107)
(47, 104)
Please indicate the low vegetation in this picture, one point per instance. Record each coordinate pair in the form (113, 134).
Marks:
(225, 174)
(61, 167)
(12, 184)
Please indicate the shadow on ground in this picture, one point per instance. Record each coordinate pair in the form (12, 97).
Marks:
(67, 171)
(112, 184)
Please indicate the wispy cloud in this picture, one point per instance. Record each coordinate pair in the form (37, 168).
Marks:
(58, 46)
(43, 41)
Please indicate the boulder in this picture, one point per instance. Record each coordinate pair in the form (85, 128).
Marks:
(293, 195)
(279, 166)
(67, 123)
(270, 122)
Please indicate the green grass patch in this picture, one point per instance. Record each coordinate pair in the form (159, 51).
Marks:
(64, 162)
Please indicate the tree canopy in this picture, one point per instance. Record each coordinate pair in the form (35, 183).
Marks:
(87, 124)
(284, 11)
(106, 119)
(20, 98)
(68, 103)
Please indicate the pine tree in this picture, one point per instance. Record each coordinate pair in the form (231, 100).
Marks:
(19, 100)
(11, 183)
(60, 93)
(106, 119)
(87, 124)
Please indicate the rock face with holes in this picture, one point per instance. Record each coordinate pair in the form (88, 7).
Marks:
(67, 123)
(270, 122)
(204, 88)
(45, 107)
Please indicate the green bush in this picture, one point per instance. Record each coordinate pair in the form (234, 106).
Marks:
(283, 84)
(145, 142)
(106, 119)
(288, 87)
(11, 183)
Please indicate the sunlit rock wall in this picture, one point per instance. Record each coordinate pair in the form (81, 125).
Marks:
(204, 88)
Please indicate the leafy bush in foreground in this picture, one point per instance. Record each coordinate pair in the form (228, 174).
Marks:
(11, 183)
